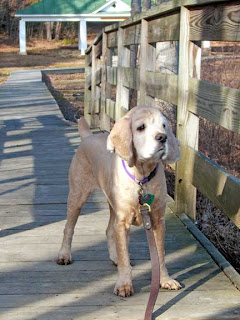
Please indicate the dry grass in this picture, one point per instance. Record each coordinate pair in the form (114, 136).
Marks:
(68, 90)
(41, 54)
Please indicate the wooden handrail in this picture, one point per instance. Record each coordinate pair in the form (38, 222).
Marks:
(184, 21)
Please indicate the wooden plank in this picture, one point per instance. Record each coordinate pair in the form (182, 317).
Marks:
(162, 86)
(88, 80)
(112, 39)
(98, 48)
(131, 77)
(185, 193)
(111, 27)
(216, 103)
(164, 28)
(132, 35)
(218, 22)
(95, 89)
(216, 184)
(88, 83)
(121, 311)
(110, 108)
(105, 87)
(89, 59)
(15, 301)
(122, 94)
(112, 75)
(98, 76)
(148, 63)
(166, 8)
(230, 272)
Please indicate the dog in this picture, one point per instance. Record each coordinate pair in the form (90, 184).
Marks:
(137, 146)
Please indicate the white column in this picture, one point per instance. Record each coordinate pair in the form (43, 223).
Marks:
(22, 36)
(206, 44)
(82, 36)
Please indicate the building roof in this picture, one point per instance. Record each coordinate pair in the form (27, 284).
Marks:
(60, 7)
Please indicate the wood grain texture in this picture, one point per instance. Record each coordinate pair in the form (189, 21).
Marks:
(132, 35)
(122, 94)
(112, 39)
(88, 83)
(185, 193)
(216, 103)
(105, 86)
(162, 86)
(220, 22)
(131, 78)
(166, 8)
(216, 184)
(164, 28)
(110, 108)
(112, 75)
(148, 63)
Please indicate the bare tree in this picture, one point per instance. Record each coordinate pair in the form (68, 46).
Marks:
(146, 5)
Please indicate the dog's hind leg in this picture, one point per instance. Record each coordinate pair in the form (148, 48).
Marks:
(81, 186)
(111, 239)
(74, 207)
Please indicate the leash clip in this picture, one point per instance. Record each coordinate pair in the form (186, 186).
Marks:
(145, 210)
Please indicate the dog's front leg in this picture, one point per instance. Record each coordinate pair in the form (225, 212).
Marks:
(123, 286)
(166, 282)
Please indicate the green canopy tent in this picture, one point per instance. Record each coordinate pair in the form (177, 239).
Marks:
(81, 11)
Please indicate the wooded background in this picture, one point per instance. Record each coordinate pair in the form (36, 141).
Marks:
(50, 30)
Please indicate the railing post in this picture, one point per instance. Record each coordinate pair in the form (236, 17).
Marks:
(95, 88)
(147, 63)
(187, 127)
(87, 93)
(122, 96)
(105, 87)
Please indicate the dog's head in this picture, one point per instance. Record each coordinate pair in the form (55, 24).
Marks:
(144, 134)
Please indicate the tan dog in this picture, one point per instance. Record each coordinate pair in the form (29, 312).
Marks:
(142, 138)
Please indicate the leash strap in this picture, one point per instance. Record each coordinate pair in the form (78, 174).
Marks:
(155, 282)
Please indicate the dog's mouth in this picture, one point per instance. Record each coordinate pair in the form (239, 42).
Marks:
(160, 152)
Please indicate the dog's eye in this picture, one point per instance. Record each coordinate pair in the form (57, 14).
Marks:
(141, 128)
(164, 126)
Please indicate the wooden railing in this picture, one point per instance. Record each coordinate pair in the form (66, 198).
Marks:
(185, 21)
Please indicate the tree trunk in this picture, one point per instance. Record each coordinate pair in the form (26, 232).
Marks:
(146, 5)
(49, 29)
(58, 28)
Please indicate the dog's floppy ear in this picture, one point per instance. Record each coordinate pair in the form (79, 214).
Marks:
(120, 140)
(173, 153)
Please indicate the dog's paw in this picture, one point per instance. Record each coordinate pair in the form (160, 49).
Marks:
(64, 259)
(170, 284)
(124, 290)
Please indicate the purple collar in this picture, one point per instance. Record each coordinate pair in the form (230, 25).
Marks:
(144, 180)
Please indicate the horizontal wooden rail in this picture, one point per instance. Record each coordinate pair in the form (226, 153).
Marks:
(215, 22)
(166, 8)
(162, 86)
(216, 103)
(216, 184)
(164, 29)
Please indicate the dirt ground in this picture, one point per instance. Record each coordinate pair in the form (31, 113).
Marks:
(216, 143)
(41, 54)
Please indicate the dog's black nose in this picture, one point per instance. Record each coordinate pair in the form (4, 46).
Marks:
(161, 137)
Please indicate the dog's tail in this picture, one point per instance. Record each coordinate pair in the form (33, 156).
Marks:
(83, 128)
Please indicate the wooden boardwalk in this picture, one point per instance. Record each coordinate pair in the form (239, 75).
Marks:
(36, 149)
